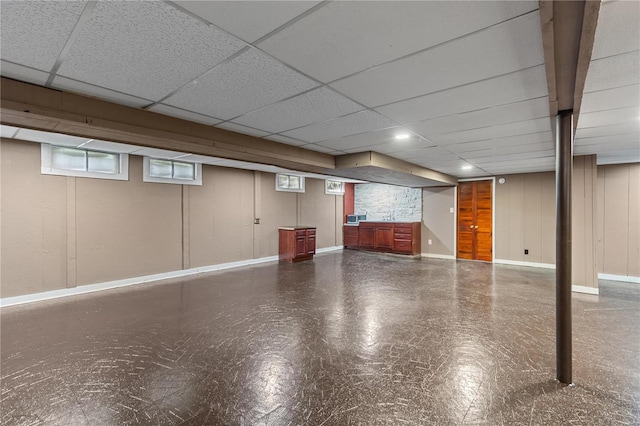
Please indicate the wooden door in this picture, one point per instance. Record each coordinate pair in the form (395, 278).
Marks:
(475, 230)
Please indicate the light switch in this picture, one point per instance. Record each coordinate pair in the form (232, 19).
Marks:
(429, 241)
(450, 209)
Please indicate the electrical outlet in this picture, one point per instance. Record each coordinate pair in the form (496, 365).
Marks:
(526, 251)
(256, 221)
(429, 242)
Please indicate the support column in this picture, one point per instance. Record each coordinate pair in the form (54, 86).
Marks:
(564, 171)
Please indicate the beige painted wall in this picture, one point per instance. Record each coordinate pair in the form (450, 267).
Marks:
(438, 221)
(618, 219)
(525, 218)
(583, 239)
(61, 232)
(126, 228)
(34, 215)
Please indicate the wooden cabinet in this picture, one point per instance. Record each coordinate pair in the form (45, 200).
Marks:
(296, 243)
(350, 235)
(367, 235)
(388, 237)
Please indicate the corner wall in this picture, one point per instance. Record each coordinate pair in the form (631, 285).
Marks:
(438, 222)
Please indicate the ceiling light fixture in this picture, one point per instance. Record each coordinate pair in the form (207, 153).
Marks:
(402, 136)
(467, 167)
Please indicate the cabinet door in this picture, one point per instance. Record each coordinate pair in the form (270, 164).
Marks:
(311, 241)
(366, 236)
(301, 246)
(350, 236)
(384, 237)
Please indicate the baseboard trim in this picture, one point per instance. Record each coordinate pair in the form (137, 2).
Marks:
(528, 264)
(328, 249)
(439, 256)
(91, 288)
(586, 290)
(623, 278)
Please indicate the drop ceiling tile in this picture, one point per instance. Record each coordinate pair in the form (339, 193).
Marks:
(50, 138)
(247, 82)
(515, 87)
(624, 157)
(34, 33)
(287, 140)
(503, 114)
(616, 129)
(186, 115)
(501, 49)
(614, 71)
(520, 156)
(610, 117)
(248, 20)
(493, 132)
(22, 73)
(69, 85)
(7, 131)
(517, 149)
(359, 122)
(618, 29)
(147, 49)
(428, 155)
(610, 148)
(516, 143)
(357, 35)
(607, 141)
(242, 129)
(317, 105)
(619, 97)
(378, 138)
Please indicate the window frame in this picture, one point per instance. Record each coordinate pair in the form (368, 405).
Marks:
(46, 161)
(288, 189)
(329, 191)
(146, 176)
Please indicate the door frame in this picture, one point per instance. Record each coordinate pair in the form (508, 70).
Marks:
(493, 215)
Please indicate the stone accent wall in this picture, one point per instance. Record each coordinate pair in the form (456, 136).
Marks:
(388, 202)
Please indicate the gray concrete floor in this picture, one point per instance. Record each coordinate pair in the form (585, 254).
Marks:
(348, 338)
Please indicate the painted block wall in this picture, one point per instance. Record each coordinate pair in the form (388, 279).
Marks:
(388, 202)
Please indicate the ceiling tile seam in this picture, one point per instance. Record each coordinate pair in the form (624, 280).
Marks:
(493, 126)
(614, 88)
(100, 87)
(75, 33)
(195, 79)
(502, 137)
(288, 98)
(291, 22)
(338, 118)
(613, 56)
(478, 110)
(459, 86)
(418, 52)
(608, 109)
(586, 138)
(23, 66)
(191, 112)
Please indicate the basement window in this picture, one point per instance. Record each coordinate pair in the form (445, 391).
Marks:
(333, 187)
(69, 161)
(289, 183)
(159, 170)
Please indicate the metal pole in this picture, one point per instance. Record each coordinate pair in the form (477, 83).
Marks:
(564, 172)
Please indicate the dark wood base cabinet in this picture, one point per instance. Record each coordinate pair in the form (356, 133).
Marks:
(296, 243)
(387, 237)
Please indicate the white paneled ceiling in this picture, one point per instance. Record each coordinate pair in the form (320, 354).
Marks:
(465, 79)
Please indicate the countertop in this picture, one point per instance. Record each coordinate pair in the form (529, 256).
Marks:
(381, 221)
(295, 227)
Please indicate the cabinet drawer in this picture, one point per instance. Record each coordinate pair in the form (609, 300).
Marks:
(402, 245)
(403, 231)
(403, 225)
(301, 232)
(311, 232)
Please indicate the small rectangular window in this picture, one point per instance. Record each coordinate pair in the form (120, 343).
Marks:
(289, 183)
(169, 171)
(333, 187)
(66, 161)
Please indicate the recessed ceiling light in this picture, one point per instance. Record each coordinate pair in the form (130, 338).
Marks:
(467, 167)
(402, 136)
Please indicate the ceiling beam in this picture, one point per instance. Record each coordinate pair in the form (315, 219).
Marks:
(568, 33)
